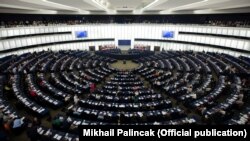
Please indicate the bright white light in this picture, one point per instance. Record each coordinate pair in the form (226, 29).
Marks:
(183, 6)
(54, 4)
(203, 11)
(149, 5)
(138, 11)
(98, 2)
(105, 7)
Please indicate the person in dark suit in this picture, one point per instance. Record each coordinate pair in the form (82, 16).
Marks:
(32, 132)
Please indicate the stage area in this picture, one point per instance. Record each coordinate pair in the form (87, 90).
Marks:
(128, 66)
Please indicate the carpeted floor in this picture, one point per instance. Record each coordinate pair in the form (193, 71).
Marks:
(128, 66)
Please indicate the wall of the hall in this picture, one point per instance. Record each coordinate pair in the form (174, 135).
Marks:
(125, 31)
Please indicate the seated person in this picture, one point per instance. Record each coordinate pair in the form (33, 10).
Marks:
(32, 132)
(36, 121)
(239, 102)
(67, 98)
(218, 116)
(17, 125)
(57, 123)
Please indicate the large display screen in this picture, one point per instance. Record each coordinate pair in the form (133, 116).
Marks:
(81, 34)
(124, 42)
(168, 34)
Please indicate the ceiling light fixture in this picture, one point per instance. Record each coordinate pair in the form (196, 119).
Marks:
(54, 4)
(171, 10)
(104, 5)
(140, 11)
(149, 5)
(100, 3)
